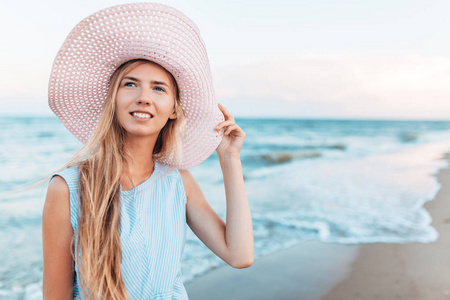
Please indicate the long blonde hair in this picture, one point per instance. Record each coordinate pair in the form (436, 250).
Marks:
(102, 162)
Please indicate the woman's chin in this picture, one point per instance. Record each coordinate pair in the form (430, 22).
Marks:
(139, 134)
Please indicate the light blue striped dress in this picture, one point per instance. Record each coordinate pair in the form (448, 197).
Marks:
(152, 232)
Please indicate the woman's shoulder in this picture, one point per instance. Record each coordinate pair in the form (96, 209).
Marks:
(66, 179)
(56, 215)
(183, 175)
(62, 193)
(189, 181)
(60, 187)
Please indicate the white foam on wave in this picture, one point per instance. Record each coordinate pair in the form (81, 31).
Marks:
(377, 198)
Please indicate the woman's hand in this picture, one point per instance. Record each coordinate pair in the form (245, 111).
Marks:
(233, 137)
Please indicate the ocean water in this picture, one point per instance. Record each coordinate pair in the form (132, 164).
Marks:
(339, 181)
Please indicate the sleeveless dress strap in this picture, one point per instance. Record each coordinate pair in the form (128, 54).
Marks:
(70, 175)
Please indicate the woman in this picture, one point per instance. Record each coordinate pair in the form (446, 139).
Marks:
(142, 102)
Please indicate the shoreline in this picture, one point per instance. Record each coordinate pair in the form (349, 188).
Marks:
(405, 271)
(328, 271)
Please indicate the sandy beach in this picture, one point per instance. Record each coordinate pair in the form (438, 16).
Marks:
(315, 270)
(404, 271)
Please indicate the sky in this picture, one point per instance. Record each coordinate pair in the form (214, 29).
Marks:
(337, 59)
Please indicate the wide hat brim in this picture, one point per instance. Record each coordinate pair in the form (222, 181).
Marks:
(100, 43)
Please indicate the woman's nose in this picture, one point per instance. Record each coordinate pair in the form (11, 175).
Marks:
(144, 101)
(144, 97)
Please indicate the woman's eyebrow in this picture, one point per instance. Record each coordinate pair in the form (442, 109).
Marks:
(159, 83)
(130, 78)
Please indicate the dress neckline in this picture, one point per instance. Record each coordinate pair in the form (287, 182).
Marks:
(156, 167)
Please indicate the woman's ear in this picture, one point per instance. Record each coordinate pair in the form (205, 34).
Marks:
(173, 115)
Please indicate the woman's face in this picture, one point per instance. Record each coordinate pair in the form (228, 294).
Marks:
(145, 100)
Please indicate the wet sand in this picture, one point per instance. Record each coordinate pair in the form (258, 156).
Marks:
(304, 271)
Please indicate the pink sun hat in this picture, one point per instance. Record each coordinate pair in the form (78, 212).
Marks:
(100, 43)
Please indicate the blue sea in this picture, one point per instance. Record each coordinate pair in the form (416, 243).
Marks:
(338, 181)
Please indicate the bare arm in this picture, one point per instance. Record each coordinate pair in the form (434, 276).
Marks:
(239, 229)
(57, 234)
(232, 241)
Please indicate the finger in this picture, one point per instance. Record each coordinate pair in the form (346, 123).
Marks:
(225, 112)
(224, 123)
(231, 128)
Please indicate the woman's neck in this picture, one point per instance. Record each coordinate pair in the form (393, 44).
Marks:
(141, 150)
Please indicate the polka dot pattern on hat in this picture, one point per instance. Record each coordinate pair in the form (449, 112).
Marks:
(100, 43)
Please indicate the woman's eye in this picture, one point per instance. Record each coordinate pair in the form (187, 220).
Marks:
(129, 84)
(160, 88)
